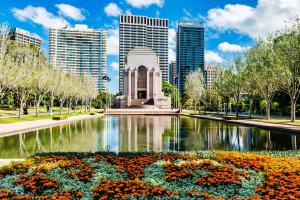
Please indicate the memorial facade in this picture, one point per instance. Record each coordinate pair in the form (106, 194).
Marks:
(142, 81)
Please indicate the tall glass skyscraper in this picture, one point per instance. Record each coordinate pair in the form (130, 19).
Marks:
(80, 50)
(190, 50)
(141, 31)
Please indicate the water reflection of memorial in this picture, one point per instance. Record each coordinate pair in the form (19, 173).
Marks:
(144, 133)
(161, 133)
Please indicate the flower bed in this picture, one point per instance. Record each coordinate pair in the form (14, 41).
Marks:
(200, 175)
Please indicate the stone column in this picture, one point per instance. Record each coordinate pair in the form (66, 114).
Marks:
(148, 88)
(135, 83)
(129, 83)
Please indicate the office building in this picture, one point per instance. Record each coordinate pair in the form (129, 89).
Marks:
(211, 73)
(25, 37)
(80, 50)
(190, 50)
(141, 31)
(172, 73)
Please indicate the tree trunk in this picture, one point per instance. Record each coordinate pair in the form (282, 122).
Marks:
(21, 105)
(195, 106)
(237, 108)
(76, 101)
(217, 105)
(293, 109)
(61, 104)
(37, 105)
(51, 103)
(268, 109)
(250, 106)
(226, 109)
(199, 107)
(69, 106)
(204, 105)
(85, 105)
(89, 105)
(81, 106)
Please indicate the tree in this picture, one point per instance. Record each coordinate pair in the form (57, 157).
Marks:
(222, 86)
(236, 81)
(20, 60)
(171, 91)
(194, 87)
(4, 70)
(41, 80)
(251, 77)
(53, 87)
(287, 49)
(269, 74)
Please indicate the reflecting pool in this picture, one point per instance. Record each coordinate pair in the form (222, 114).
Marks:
(145, 133)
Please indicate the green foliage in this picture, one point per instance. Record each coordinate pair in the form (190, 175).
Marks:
(102, 99)
(170, 91)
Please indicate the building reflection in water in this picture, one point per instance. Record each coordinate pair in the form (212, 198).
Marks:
(161, 133)
(144, 133)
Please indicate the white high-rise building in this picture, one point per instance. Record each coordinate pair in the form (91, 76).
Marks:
(80, 50)
(211, 73)
(141, 31)
(25, 37)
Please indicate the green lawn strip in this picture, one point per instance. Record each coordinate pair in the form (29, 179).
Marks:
(40, 117)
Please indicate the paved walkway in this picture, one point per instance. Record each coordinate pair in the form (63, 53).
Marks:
(141, 111)
(7, 161)
(266, 125)
(12, 128)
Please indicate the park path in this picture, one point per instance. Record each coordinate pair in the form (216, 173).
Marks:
(247, 122)
(7, 161)
(12, 128)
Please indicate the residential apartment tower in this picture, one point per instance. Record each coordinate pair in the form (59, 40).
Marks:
(25, 37)
(80, 50)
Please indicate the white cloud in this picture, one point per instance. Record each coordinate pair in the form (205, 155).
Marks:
(172, 45)
(171, 55)
(115, 66)
(172, 38)
(226, 47)
(70, 11)
(187, 13)
(268, 16)
(112, 9)
(128, 12)
(145, 3)
(212, 57)
(113, 41)
(39, 15)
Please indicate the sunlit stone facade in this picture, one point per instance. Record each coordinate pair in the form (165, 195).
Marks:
(142, 81)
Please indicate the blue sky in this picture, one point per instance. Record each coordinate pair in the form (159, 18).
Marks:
(230, 26)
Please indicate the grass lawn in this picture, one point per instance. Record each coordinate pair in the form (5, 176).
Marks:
(31, 110)
(41, 116)
(198, 175)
